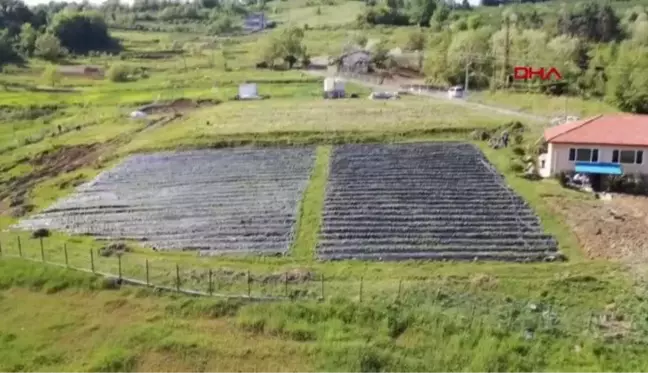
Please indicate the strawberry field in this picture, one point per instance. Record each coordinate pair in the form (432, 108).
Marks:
(425, 201)
(216, 201)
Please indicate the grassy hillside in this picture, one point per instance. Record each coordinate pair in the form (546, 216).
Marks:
(440, 328)
(578, 315)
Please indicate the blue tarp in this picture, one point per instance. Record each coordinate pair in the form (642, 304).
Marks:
(598, 168)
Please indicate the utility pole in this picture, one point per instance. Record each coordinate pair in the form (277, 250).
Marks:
(466, 78)
(507, 25)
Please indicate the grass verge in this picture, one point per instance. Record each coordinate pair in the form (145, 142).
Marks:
(310, 209)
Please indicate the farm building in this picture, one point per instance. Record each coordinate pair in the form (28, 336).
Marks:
(83, 70)
(353, 62)
(255, 22)
(603, 145)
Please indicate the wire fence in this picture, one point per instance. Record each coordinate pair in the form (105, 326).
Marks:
(161, 273)
(199, 277)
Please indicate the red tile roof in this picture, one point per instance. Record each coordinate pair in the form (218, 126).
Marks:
(612, 129)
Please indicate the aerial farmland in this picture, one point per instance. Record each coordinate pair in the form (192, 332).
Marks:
(155, 220)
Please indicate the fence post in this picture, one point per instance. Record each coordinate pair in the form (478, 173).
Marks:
(119, 267)
(249, 284)
(92, 261)
(19, 247)
(147, 273)
(210, 287)
(67, 263)
(286, 284)
(361, 285)
(0, 248)
(400, 288)
(322, 279)
(42, 249)
(177, 277)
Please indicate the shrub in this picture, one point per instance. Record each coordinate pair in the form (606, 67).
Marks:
(518, 151)
(118, 73)
(516, 167)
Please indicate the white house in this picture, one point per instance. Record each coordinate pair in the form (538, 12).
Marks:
(611, 144)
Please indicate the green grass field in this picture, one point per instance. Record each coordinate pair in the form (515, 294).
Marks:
(346, 316)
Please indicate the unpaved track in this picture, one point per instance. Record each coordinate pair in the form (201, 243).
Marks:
(437, 95)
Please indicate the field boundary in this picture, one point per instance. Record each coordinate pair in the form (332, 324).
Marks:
(132, 281)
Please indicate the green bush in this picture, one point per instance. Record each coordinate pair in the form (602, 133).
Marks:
(119, 73)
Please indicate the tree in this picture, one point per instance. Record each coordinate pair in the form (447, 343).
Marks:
(8, 54)
(82, 32)
(48, 47)
(286, 45)
(591, 21)
(415, 41)
(27, 37)
(420, 11)
(52, 75)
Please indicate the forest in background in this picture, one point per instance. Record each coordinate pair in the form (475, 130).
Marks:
(599, 47)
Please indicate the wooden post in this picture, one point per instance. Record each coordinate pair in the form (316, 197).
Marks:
(119, 267)
(322, 279)
(148, 282)
(361, 285)
(400, 288)
(286, 284)
(67, 262)
(249, 284)
(19, 247)
(92, 261)
(42, 249)
(210, 287)
(0, 248)
(177, 277)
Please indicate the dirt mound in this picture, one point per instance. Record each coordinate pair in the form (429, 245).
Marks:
(614, 229)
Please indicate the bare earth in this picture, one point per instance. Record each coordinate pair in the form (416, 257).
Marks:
(616, 229)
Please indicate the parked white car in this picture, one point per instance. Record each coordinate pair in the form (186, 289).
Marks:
(456, 92)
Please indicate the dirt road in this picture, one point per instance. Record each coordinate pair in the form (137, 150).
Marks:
(438, 95)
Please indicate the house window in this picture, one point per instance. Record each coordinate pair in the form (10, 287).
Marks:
(583, 155)
(627, 156)
(542, 164)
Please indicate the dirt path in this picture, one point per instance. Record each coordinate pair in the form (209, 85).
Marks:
(437, 95)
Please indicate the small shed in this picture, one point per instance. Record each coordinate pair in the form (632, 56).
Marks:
(334, 88)
(248, 91)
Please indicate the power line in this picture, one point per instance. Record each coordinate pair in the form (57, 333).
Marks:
(489, 57)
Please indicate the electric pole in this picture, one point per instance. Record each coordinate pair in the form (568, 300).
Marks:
(466, 78)
(507, 26)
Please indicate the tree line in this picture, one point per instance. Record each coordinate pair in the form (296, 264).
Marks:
(600, 53)
(49, 32)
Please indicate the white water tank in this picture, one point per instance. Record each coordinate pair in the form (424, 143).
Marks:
(248, 90)
(338, 85)
(329, 84)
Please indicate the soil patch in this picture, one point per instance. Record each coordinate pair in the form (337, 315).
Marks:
(47, 164)
(614, 230)
(179, 105)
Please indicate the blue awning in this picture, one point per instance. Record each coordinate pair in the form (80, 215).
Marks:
(598, 168)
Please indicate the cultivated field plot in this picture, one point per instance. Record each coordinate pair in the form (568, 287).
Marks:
(216, 201)
(425, 201)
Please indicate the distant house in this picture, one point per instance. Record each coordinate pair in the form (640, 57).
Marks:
(82, 70)
(255, 22)
(612, 144)
(353, 62)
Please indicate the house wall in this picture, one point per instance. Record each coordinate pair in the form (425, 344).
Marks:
(557, 158)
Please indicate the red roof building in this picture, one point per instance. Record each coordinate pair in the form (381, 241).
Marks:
(605, 144)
